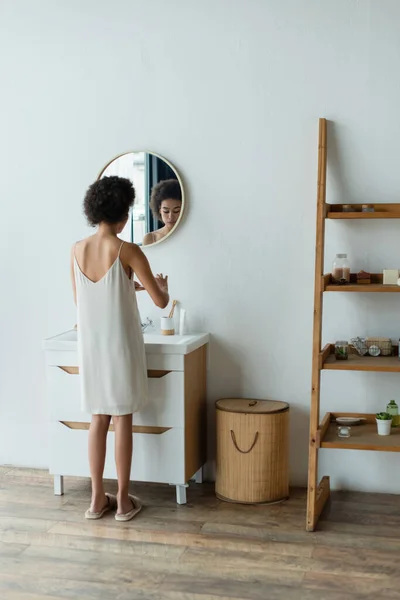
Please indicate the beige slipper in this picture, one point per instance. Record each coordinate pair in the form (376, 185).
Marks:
(111, 503)
(137, 507)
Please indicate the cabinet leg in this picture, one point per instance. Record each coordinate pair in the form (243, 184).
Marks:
(181, 494)
(198, 477)
(58, 485)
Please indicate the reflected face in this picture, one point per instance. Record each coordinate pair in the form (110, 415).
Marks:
(170, 211)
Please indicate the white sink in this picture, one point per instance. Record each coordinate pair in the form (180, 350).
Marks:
(155, 343)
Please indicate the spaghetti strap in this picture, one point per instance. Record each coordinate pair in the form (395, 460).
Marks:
(120, 248)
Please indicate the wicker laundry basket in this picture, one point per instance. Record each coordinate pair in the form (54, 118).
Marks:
(252, 450)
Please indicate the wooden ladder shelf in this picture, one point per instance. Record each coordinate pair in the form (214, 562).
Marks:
(323, 433)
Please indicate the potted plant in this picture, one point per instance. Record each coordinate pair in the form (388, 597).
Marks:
(384, 423)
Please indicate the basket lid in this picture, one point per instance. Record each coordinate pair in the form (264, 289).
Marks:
(249, 405)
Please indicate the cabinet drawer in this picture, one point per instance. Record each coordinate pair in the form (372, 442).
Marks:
(165, 407)
(157, 458)
(64, 396)
(61, 357)
(168, 362)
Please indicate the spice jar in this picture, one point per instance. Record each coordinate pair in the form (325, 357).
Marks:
(341, 350)
(341, 269)
(367, 208)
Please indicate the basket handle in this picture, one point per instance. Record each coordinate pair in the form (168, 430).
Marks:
(233, 436)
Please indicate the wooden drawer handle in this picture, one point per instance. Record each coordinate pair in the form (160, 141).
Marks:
(135, 428)
(70, 370)
(151, 373)
(156, 374)
(239, 449)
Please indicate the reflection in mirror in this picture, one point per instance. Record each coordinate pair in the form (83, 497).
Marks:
(159, 199)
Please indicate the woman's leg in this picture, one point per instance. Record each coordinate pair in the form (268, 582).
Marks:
(97, 455)
(123, 460)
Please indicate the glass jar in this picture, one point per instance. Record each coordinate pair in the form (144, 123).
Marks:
(341, 350)
(341, 269)
(393, 411)
(343, 431)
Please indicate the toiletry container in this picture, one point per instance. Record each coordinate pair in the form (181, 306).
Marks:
(167, 326)
(252, 450)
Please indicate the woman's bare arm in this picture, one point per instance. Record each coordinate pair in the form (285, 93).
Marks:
(72, 270)
(157, 287)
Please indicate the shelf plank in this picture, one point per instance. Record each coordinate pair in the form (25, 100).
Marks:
(362, 216)
(363, 437)
(355, 362)
(372, 288)
(382, 211)
(376, 285)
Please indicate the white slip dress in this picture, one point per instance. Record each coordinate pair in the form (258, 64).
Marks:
(112, 359)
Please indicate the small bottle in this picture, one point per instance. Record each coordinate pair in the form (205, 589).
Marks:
(393, 410)
(182, 323)
(341, 269)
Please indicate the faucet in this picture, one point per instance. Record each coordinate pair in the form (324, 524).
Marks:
(146, 324)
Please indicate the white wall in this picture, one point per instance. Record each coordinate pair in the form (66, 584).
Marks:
(230, 92)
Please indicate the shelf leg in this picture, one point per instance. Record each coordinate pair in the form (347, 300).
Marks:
(58, 485)
(323, 493)
(317, 495)
(312, 485)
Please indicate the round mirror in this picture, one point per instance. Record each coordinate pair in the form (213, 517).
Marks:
(159, 201)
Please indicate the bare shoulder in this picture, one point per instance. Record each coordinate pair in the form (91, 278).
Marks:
(148, 238)
(132, 251)
(79, 244)
(74, 248)
(79, 248)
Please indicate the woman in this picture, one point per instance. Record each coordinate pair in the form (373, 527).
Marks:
(166, 206)
(110, 340)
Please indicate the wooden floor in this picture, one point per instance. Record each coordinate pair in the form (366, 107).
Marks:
(206, 550)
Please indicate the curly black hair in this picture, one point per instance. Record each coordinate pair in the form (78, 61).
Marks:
(169, 189)
(108, 200)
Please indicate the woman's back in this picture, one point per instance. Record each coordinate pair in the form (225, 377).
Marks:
(95, 255)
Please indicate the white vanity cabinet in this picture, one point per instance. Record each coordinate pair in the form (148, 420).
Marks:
(169, 442)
